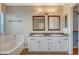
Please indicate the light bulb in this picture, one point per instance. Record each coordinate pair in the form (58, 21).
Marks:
(39, 10)
(48, 10)
(53, 10)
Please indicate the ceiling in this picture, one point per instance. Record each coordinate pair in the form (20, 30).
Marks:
(34, 4)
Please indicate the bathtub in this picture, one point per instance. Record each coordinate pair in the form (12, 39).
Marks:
(10, 45)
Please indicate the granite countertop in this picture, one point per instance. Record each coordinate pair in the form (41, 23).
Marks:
(47, 34)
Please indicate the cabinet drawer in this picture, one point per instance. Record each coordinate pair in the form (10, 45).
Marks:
(63, 44)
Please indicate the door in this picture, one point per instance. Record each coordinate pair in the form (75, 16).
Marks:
(63, 44)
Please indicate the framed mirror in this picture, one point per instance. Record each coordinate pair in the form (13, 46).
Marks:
(54, 22)
(38, 23)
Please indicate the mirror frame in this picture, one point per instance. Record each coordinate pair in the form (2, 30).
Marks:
(66, 19)
(58, 19)
(33, 23)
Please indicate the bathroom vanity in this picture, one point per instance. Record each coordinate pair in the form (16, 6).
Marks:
(48, 42)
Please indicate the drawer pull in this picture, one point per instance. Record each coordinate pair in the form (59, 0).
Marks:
(38, 42)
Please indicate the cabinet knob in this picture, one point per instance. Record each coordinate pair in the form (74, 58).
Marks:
(65, 39)
(49, 39)
(59, 41)
(48, 48)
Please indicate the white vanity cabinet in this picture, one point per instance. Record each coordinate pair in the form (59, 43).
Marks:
(48, 44)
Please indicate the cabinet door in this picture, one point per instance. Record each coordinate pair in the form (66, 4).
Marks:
(52, 45)
(43, 44)
(34, 45)
(63, 44)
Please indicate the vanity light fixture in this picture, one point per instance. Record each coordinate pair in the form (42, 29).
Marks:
(46, 11)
